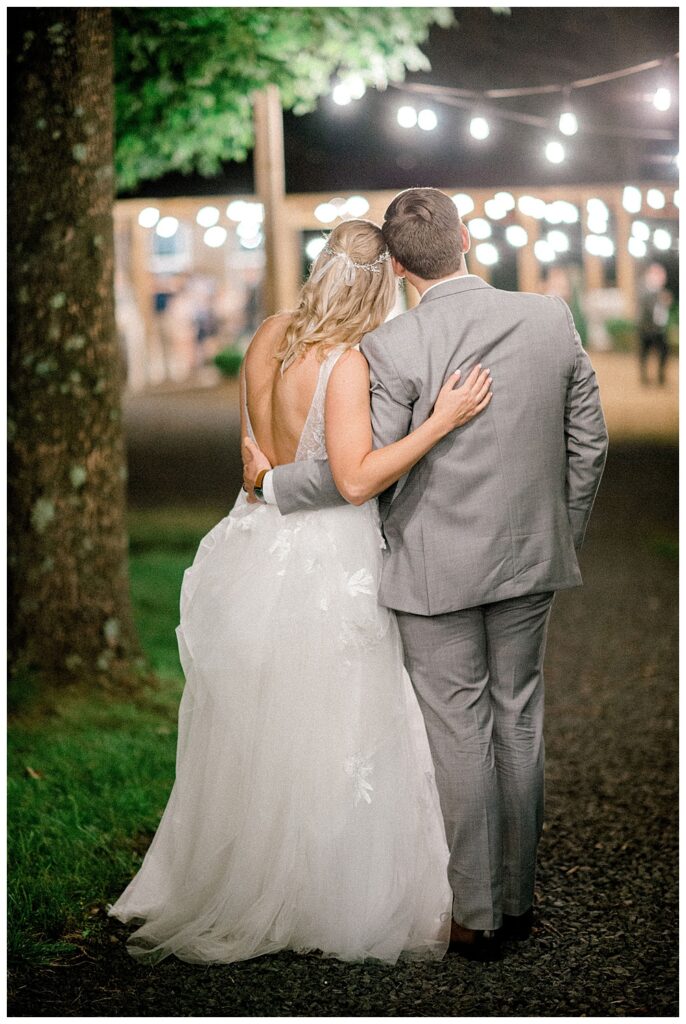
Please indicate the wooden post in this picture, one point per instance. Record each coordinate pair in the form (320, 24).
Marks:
(270, 187)
(625, 262)
(528, 267)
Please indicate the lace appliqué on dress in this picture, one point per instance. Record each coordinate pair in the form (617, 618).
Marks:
(359, 768)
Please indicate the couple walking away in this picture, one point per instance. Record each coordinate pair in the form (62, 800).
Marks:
(360, 753)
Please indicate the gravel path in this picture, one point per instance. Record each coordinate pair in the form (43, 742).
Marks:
(606, 943)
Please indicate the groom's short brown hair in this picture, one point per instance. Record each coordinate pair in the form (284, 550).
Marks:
(422, 231)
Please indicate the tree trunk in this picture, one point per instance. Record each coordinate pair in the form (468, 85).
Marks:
(70, 613)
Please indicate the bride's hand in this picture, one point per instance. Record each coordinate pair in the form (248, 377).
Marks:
(456, 406)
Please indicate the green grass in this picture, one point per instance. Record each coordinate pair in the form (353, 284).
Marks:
(78, 831)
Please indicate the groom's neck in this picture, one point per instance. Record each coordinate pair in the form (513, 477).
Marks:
(421, 284)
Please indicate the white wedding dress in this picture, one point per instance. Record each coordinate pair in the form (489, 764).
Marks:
(304, 814)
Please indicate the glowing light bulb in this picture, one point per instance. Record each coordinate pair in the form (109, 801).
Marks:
(148, 217)
(407, 117)
(479, 128)
(167, 227)
(599, 245)
(656, 198)
(341, 94)
(558, 240)
(568, 123)
(314, 247)
(326, 213)
(427, 120)
(479, 228)
(215, 236)
(632, 199)
(639, 229)
(544, 251)
(530, 206)
(494, 209)
(516, 235)
(357, 206)
(486, 254)
(662, 100)
(637, 248)
(662, 239)
(506, 200)
(464, 203)
(207, 216)
(555, 152)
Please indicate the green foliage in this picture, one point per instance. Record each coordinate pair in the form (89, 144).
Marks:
(88, 783)
(624, 334)
(184, 75)
(229, 361)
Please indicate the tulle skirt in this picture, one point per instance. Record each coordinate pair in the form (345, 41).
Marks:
(304, 814)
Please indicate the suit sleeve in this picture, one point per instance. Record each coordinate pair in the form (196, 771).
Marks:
(304, 486)
(585, 436)
(391, 403)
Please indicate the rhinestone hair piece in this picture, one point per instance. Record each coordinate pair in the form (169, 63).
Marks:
(373, 267)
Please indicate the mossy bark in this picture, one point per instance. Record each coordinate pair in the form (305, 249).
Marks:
(69, 603)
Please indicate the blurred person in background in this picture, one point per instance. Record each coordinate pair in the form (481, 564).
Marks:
(655, 301)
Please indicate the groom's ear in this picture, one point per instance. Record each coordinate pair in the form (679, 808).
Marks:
(466, 239)
(398, 268)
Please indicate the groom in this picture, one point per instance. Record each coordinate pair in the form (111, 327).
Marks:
(480, 534)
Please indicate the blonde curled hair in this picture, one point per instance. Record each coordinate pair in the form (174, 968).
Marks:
(350, 291)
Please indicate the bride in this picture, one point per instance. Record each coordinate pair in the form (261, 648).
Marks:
(304, 814)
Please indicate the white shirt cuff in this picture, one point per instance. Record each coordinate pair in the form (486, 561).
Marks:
(268, 488)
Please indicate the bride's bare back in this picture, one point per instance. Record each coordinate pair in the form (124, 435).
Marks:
(278, 404)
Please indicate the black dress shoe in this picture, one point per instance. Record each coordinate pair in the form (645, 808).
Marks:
(484, 947)
(518, 927)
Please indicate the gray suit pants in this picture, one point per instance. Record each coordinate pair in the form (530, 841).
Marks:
(478, 675)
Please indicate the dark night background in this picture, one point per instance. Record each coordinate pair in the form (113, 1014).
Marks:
(362, 146)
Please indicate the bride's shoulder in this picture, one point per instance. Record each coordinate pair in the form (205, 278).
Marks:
(267, 335)
(350, 372)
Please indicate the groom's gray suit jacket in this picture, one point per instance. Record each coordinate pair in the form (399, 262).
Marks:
(499, 507)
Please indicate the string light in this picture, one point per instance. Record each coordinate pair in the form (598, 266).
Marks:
(655, 198)
(558, 240)
(407, 117)
(325, 212)
(479, 128)
(632, 200)
(314, 247)
(599, 245)
(568, 123)
(240, 210)
(215, 236)
(516, 235)
(544, 251)
(506, 200)
(555, 152)
(348, 89)
(530, 206)
(640, 230)
(167, 227)
(662, 239)
(662, 99)
(357, 206)
(464, 203)
(637, 248)
(486, 254)
(148, 217)
(427, 120)
(479, 228)
(494, 209)
(207, 216)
